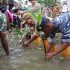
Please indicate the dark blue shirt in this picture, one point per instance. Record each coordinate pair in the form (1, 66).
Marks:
(62, 24)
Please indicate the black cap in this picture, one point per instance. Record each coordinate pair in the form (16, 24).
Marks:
(44, 21)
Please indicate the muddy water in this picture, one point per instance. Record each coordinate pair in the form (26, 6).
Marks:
(29, 58)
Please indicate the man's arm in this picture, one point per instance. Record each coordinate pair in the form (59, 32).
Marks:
(51, 43)
(60, 49)
(49, 47)
(34, 37)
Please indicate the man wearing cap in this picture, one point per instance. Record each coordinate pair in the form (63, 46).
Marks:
(50, 28)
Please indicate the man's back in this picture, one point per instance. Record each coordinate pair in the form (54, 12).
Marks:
(62, 21)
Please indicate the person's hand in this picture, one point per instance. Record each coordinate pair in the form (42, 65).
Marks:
(49, 55)
(20, 42)
(24, 45)
(45, 55)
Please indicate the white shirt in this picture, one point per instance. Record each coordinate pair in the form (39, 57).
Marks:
(64, 8)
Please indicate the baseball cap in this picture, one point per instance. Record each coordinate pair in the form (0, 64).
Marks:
(44, 21)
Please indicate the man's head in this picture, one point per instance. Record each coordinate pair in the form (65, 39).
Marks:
(29, 21)
(2, 9)
(26, 2)
(46, 25)
(33, 1)
(15, 10)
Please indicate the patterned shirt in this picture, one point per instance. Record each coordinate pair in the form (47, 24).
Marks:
(3, 22)
(62, 23)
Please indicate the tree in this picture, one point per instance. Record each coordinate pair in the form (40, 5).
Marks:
(49, 2)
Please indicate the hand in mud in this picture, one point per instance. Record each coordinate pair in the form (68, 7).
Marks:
(45, 56)
(49, 55)
(25, 45)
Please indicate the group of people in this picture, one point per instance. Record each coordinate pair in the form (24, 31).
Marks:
(33, 25)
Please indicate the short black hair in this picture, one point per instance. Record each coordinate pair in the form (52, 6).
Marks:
(3, 9)
(30, 0)
(44, 21)
(15, 10)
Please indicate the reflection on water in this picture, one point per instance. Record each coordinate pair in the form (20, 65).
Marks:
(29, 58)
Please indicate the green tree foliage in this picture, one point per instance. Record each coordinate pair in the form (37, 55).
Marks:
(47, 2)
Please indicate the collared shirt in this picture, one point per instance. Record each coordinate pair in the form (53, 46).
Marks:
(62, 23)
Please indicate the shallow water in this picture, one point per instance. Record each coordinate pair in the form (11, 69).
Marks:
(30, 58)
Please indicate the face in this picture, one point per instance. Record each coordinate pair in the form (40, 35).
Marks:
(29, 21)
(47, 29)
(33, 1)
(26, 2)
(15, 4)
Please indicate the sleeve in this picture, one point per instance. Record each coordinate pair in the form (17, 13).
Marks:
(51, 38)
(5, 20)
(4, 23)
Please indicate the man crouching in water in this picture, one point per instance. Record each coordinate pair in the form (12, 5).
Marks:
(50, 28)
(3, 25)
(28, 27)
